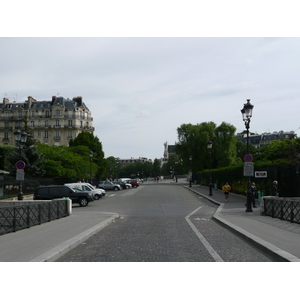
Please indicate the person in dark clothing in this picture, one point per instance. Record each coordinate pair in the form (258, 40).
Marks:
(274, 188)
(253, 192)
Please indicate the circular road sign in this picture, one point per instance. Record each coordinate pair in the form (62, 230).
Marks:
(20, 165)
(248, 158)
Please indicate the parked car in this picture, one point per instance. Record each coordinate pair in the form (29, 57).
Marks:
(61, 191)
(97, 193)
(108, 185)
(123, 184)
(133, 182)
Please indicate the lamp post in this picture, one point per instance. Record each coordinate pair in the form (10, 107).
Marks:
(209, 147)
(20, 138)
(91, 159)
(191, 174)
(247, 114)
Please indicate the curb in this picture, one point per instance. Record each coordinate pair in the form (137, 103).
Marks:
(271, 250)
(60, 250)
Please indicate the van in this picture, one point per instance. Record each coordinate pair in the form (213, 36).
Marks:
(97, 193)
(61, 191)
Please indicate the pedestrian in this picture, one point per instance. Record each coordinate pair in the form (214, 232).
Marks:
(253, 192)
(226, 188)
(274, 188)
(157, 179)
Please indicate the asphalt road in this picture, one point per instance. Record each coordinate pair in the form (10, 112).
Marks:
(161, 223)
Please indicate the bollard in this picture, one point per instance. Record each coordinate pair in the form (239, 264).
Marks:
(215, 186)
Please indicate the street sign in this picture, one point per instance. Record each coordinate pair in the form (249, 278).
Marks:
(261, 174)
(248, 169)
(20, 174)
(248, 158)
(20, 165)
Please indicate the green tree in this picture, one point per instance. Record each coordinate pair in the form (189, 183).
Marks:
(224, 146)
(93, 143)
(281, 152)
(156, 167)
(27, 152)
(192, 143)
(68, 162)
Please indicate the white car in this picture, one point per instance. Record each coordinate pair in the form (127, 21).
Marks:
(83, 186)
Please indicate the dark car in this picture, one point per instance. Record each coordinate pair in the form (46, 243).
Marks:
(61, 191)
(133, 182)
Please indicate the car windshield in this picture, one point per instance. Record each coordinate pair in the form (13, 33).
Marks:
(90, 186)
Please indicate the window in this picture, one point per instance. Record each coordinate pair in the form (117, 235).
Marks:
(7, 115)
(70, 123)
(57, 112)
(70, 114)
(32, 124)
(6, 125)
(19, 114)
(46, 135)
(47, 113)
(57, 134)
(69, 134)
(6, 135)
(32, 113)
(46, 123)
(57, 124)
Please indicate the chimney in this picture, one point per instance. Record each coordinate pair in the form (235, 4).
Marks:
(5, 101)
(78, 100)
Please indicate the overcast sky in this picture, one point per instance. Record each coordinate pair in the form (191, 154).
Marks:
(140, 84)
(140, 90)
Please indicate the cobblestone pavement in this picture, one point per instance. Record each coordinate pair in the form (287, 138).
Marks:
(164, 238)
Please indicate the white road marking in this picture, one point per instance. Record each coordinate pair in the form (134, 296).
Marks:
(132, 191)
(206, 244)
(112, 195)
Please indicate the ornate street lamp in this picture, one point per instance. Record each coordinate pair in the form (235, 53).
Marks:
(20, 138)
(91, 159)
(209, 147)
(247, 114)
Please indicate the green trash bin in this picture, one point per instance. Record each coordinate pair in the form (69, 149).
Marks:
(258, 195)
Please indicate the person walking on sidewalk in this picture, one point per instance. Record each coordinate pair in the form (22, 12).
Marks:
(226, 188)
(253, 192)
(274, 188)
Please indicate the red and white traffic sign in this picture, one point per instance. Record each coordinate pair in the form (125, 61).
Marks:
(20, 165)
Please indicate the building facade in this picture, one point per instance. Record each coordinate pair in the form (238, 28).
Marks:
(132, 160)
(52, 122)
(259, 140)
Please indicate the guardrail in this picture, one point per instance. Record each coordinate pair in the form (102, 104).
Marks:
(282, 208)
(20, 215)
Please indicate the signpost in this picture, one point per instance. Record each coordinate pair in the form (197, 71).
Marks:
(248, 169)
(261, 174)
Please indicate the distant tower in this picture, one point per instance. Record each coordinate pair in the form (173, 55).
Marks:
(166, 153)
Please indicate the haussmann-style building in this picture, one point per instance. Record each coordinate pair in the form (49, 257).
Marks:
(52, 122)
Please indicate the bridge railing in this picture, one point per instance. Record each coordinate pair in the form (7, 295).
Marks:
(20, 215)
(282, 208)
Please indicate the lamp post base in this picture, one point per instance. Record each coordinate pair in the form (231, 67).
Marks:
(20, 196)
(249, 204)
(210, 190)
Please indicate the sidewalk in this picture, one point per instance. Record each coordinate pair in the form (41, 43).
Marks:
(279, 239)
(49, 241)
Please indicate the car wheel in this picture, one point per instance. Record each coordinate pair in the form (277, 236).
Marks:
(83, 202)
(116, 188)
(97, 197)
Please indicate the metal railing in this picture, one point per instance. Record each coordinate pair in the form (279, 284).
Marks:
(25, 215)
(284, 209)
